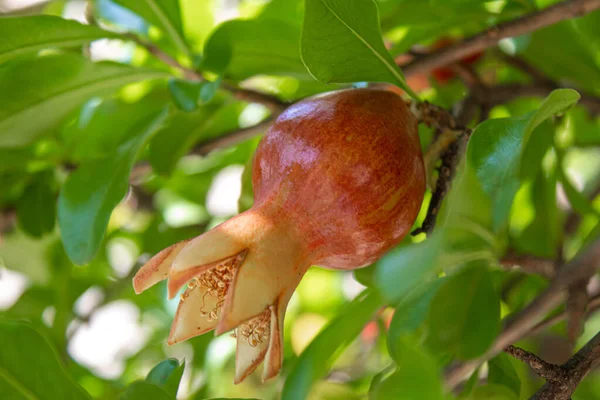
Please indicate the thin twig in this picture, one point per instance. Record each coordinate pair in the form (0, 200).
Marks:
(542, 368)
(530, 264)
(529, 23)
(519, 326)
(450, 159)
(233, 138)
(593, 306)
(577, 302)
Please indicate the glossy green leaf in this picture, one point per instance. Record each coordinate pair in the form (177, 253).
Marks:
(464, 316)
(164, 14)
(37, 94)
(318, 357)
(30, 367)
(496, 148)
(167, 374)
(188, 95)
(418, 377)
(36, 210)
(145, 391)
(182, 130)
(502, 372)
(23, 35)
(579, 57)
(101, 127)
(342, 43)
(91, 193)
(401, 269)
(411, 313)
(243, 48)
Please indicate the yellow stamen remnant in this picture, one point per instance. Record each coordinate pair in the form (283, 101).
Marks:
(257, 330)
(214, 282)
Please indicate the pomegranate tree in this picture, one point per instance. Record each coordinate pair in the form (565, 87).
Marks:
(338, 181)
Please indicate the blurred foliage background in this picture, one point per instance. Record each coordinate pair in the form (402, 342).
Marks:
(111, 150)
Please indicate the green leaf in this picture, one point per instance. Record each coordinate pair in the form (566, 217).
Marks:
(101, 127)
(496, 148)
(579, 56)
(577, 200)
(418, 377)
(244, 48)
(167, 374)
(542, 236)
(141, 390)
(37, 94)
(198, 21)
(91, 193)
(30, 367)
(342, 43)
(502, 372)
(182, 130)
(36, 210)
(164, 14)
(188, 95)
(493, 392)
(464, 317)
(23, 35)
(318, 357)
(411, 313)
(403, 268)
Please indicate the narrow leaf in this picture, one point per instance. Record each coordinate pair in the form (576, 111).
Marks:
(167, 374)
(502, 372)
(497, 146)
(318, 357)
(36, 210)
(90, 194)
(418, 377)
(400, 270)
(342, 43)
(464, 317)
(244, 48)
(30, 367)
(23, 35)
(164, 14)
(37, 94)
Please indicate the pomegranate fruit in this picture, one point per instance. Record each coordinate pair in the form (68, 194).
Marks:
(338, 180)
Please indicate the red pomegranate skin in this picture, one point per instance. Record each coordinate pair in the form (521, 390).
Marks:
(338, 180)
(346, 169)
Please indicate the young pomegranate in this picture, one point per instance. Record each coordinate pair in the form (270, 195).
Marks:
(338, 181)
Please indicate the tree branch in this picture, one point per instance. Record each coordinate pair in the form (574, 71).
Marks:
(234, 137)
(519, 326)
(542, 368)
(450, 159)
(529, 23)
(593, 306)
(530, 264)
(561, 388)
